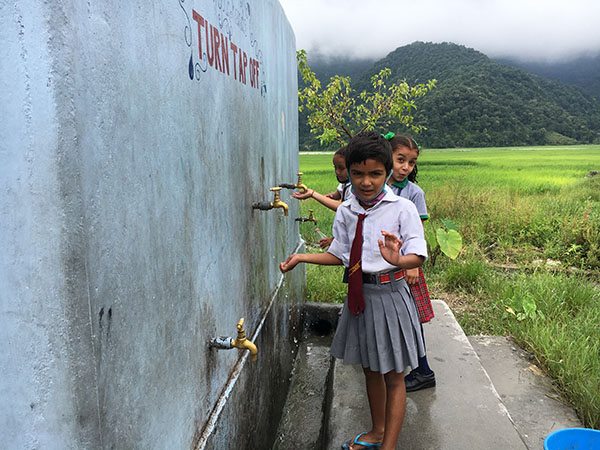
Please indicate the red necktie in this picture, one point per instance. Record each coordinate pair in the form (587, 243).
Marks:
(356, 299)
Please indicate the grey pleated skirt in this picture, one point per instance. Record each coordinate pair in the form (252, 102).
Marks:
(386, 336)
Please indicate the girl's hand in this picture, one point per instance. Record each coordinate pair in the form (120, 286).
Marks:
(291, 262)
(325, 242)
(390, 248)
(303, 196)
(412, 276)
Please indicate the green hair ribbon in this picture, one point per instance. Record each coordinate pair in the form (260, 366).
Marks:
(388, 136)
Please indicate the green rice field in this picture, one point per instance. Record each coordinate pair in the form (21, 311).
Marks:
(530, 266)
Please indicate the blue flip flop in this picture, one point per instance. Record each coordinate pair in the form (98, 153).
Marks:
(357, 441)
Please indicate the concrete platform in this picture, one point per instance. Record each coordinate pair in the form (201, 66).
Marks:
(534, 404)
(488, 395)
(464, 411)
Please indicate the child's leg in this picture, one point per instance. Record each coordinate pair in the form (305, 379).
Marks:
(376, 394)
(387, 402)
(395, 408)
(424, 368)
(422, 377)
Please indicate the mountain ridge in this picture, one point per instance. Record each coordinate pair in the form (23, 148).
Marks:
(480, 102)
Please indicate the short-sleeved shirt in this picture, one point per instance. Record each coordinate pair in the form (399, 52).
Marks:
(416, 195)
(393, 214)
(345, 190)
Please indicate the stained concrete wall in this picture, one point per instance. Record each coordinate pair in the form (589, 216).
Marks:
(130, 155)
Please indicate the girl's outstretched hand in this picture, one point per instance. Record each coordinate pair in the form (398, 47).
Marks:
(291, 262)
(325, 242)
(390, 248)
(303, 196)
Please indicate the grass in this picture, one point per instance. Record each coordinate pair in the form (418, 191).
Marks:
(530, 221)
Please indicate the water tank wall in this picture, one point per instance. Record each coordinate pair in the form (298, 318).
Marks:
(135, 137)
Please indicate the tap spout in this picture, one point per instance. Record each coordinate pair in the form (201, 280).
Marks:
(311, 218)
(276, 203)
(282, 205)
(241, 342)
(301, 187)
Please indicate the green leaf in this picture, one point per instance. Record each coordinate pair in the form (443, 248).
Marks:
(449, 224)
(450, 242)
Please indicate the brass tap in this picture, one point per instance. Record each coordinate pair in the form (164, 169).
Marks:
(311, 217)
(276, 203)
(302, 188)
(241, 342)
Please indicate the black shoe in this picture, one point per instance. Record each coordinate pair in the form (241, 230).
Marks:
(416, 381)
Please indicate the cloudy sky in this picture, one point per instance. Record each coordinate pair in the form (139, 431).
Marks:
(534, 30)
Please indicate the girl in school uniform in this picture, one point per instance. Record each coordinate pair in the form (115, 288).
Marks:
(341, 173)
(405, 153)
(377, 235)
(333, 199)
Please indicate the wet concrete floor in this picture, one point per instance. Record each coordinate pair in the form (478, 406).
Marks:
(489, 394)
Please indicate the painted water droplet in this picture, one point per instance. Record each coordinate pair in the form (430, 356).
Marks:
(191, 68)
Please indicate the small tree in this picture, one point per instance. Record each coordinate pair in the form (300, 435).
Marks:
(336, 114)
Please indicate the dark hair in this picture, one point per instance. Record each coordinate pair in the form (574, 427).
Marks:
(404, 140)
(341, 151)
(369, 145)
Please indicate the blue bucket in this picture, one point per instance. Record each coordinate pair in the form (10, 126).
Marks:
(573, 439)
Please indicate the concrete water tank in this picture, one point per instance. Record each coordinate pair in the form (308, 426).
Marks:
(135, 137)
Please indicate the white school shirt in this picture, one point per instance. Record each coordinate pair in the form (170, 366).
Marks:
(345, 190)
(393, 214)
(415, 194)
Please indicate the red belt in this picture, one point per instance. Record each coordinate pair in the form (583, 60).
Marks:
(383, 278)
(379, 278)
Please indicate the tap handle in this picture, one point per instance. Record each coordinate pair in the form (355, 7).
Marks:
(276, 193)
(241, 333)
(287, 186)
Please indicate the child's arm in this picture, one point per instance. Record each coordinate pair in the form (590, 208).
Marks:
(324, 259)
(322, 199)
(390, 250)
(334, 195)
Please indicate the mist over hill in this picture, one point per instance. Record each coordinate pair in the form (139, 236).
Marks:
(478, 102)
(582, 72)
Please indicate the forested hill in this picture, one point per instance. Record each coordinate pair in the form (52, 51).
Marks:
(583, 71)
(478, 102)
